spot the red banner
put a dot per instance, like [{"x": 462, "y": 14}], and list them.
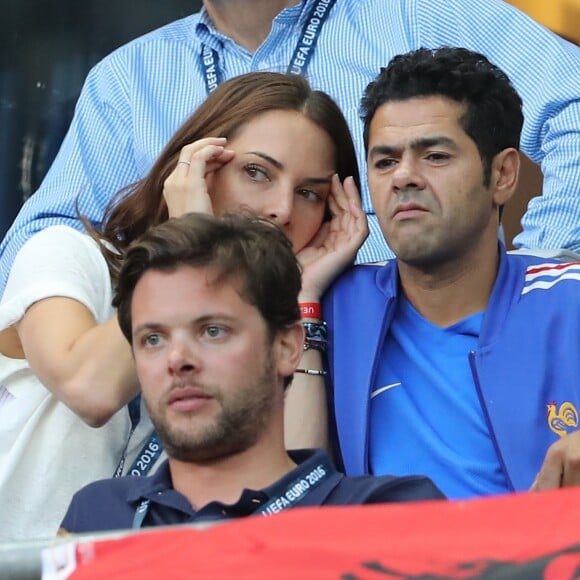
[{"x": 524, "y": 536}]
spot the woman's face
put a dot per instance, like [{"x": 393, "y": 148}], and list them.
[{"x": 282, "y": 169}]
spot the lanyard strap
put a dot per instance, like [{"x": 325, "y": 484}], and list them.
[
  {"x": 140, "y": 514},
  {"x": 309, "y": 37},
  {"x": 134, "y": 410},
  {"x": 284, "y": 497},
  {"x": 145, "y": 460},
  {"x": 211, "y": 72},
  {"x": 300, "y": 58},
  {"x": 151, "y": 450},
  {"x": 289, "y": 495},
  {"x": 149, "y": 454}
]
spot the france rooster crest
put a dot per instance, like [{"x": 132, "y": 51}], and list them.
[{"x": 563, "y": 419}]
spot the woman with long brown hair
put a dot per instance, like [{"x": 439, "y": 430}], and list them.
[{"x": 264, "y": 142}]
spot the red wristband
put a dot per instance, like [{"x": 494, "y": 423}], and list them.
[{"x": 311, "y": 310}]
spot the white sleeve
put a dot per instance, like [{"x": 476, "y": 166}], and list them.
[{"x": 57, "y": 261}]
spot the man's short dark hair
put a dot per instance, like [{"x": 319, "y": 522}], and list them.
[
  {"x": 250, "y": 250},
  {"x": 493, "y": 117}
]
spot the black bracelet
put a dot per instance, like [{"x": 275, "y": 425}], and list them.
[
  {"x": 311, "y": 372},
  {"x": 315, "y": 336}
]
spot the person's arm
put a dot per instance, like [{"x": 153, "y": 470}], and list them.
[
  {"x": 331, "y": 251},
  {"x": 59, "y": 295},
  {"x": 87, "y": 366},
  {"x": 305, "y": 407},
  {"x": 545, "y": 70}
]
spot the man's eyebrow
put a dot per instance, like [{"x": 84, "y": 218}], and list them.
[
  {"x": 382, "y": 150},
  {"x": 200, "y": 320},
  {"x": 279, "y": 165},
  {"x": 213, "y": 317},
  {"x": 149, "y": 326},
  {"x": 426, "y": 142},
  {"x": 416, "y": 144}
]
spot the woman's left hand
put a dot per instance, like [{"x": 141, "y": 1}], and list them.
[{"x": 335, "y": 245}]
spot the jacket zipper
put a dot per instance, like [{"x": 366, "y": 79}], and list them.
[
  {"x": 379, "y": 351},
  {"x": 488, "y": 420}
]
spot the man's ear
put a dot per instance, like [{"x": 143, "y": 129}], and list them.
[
  {"x": 505, "y": 169},
  {"x": 290, "y": 347}
]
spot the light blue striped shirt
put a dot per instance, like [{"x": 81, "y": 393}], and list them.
[{"x": 134, "y": 99}]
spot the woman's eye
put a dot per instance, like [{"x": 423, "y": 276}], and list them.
[
  {"x": 256, "y": 172},
  {"x": 310, "y": 195}
]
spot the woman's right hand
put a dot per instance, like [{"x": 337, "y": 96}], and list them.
[{"x": 185, "y": 190}]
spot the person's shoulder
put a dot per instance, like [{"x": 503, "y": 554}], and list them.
[
  {"x": 106, "y": 504},
  {"x": 56, "y": 241},
  {"x": 109, "y": 487},
  {"x": 58, "y": 232},
  {"x": 559, "y": 255},
  {"x": 363, "y": 272},
  {"x": 368, "y": 280},
  {"x": 551, "y": 271},
  {"x": 368, "y": 489}
]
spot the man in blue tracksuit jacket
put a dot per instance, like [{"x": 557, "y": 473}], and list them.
[
  {"x": 457, "y": 360},
  {"x": 528, "y": 356}
]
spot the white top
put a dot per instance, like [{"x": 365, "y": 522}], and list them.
[{"x": 46, "y": 451}]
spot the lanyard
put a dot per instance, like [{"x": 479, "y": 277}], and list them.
[
  {"x": 149, "y": 454},
  {"x": 284, "y": 497},
  {"x": 145, "y": 460},
  {"x": 300, "y": 58},
  {"x": 151, "y": 450}
]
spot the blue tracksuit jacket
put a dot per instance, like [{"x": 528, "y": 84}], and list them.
[{"x": 528, "y": 357}]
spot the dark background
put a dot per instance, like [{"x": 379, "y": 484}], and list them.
[{"x": 46, "y": 49}]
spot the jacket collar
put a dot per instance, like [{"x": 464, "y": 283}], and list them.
[{"x": 506, "y": 290}]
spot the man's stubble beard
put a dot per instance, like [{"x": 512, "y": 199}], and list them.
[{"x": 242, "y": 418}]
